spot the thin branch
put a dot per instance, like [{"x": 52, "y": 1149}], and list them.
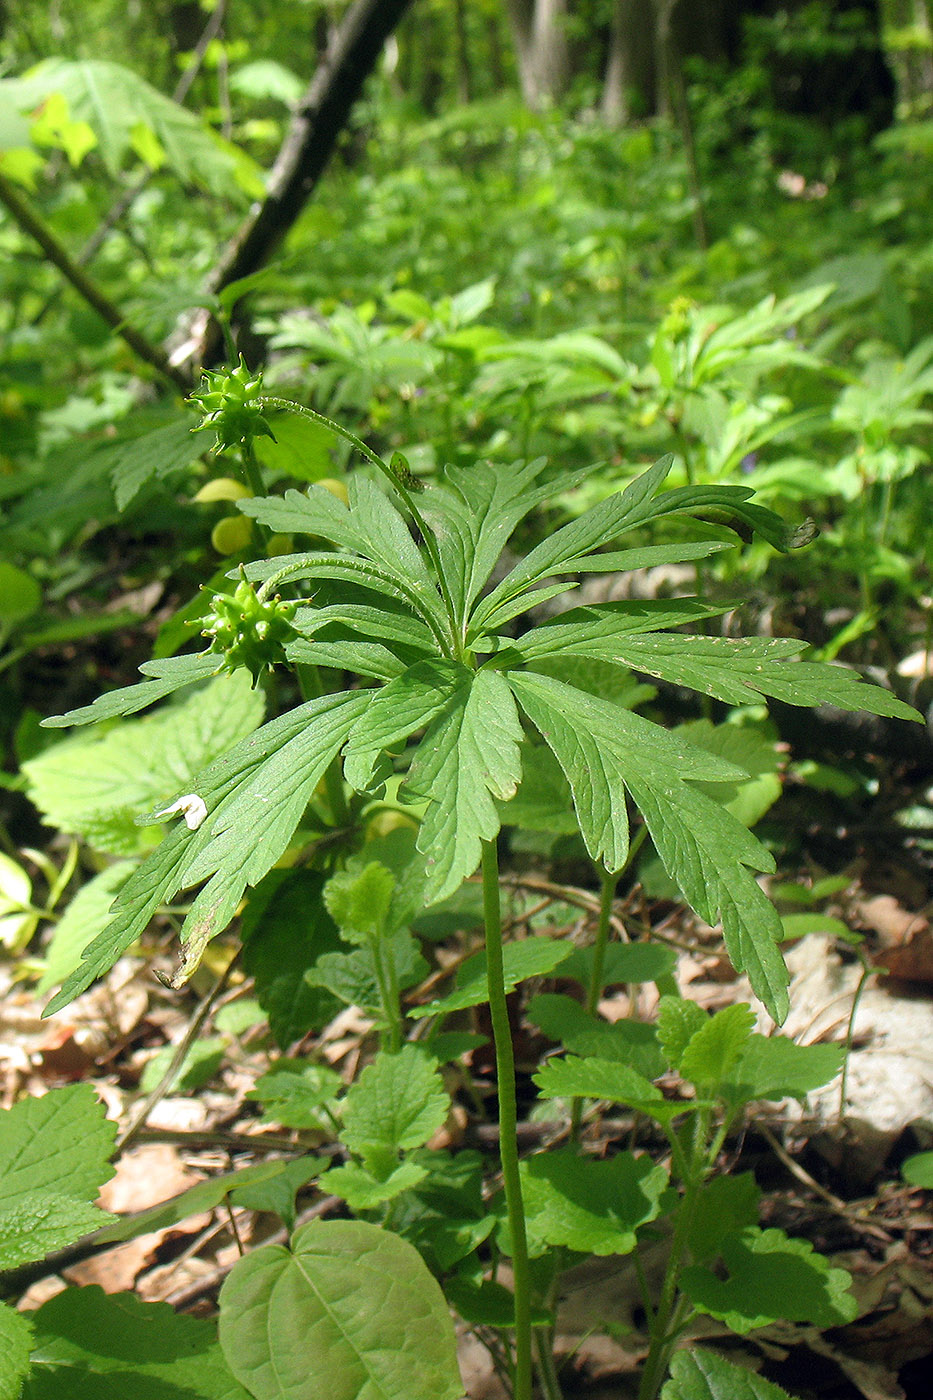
[
  {"x": 32, "y": 223},
  {"x": 319, "y": 119}
]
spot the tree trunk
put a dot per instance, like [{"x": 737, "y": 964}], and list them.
[
  {"x": 539, "y": 32},
  {"x": 907, "y": 40},
  {"x": 628, "y": 82},
  {"x": 312, "y": 135}
]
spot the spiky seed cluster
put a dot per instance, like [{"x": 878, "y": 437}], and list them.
[
  {"x": 248, "y": 630},
  {"x": 231, "y": 401}
]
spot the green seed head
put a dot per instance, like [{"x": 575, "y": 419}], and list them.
[
  {"x": 248, "y": 630},
  {"x": 231, "y": 402}
]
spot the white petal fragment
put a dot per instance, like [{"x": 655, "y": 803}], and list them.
[{"x": 193, "y": 808}]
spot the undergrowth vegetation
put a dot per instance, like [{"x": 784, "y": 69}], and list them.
[{"x": 525, "y": 497}]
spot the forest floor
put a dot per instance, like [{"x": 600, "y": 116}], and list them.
[{"x": 830, "y": 1176}]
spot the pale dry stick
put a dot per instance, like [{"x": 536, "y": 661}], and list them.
[
  {"x": 181, "y": 1050},
  {"x": 835, "y": 1203},
  {"x": 568, "y": 894}
]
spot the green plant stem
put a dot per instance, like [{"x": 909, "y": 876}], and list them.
[
  {"x": 368, "y": 570},
  {"x": 253, "y": 473},
  {"x": 31, "y": 222},
  {"x": 668, "y": 1320},
  {"x": 609, "y": 881},
  {"x": 508, "y": 1121},
  {"x": 850, "y": 1029},
  {"x": 547, "y": 1371}
]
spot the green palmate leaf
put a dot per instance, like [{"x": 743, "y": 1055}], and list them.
[
  {"x": 398, "y": 709},
  {"x": 90, "y": 1343},
  {"x": 598, "y": 527},
  {"x": 702, "y": 1375},
  {"x": 15, "y": 1346},
  {"x": 158, "y": 453},
  {"x": 285, "y": 928},
  {"x": 82, "y": 921},
  {"x": 742, "y": 671},
  {"x": 712, "y": 1050},
  {"x": 297, "y": 1093},
  {"x": 363, "y": 1191},
  {"x": 635, "y": 506},
  {"x": 678, "y": 1021},
  {"x": 469, "y": 756},
  {"x": 770, "y": 1276},
  {"x": 54, "y": 1155},
  {"x": 589, "y": 1206},
  {"x": 96, "y": 784},
  {"x": 116, "y": 102},
  {"x": 773, "y": 1067},
  {"x": 171, "y": 674},
  {"x": 360, "y": 1297},
  {"x": 632, "y": 1043},
  {"x": 728, "y": 1204},
  {"x": 601, "y": 748},
  {"x": 254, "y": 796},
  {"x": 398, "y": 1102},
  {"x": 595, "y": 629},
  {"x": 207, "y": 1195},
  {"x": 476, "y": 510},
  {"x": 532, "y": 957}
]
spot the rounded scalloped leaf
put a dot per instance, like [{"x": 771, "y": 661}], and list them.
[
  {"x": 770, "y": 1276},
  {"x": 349, "y": 1313}
]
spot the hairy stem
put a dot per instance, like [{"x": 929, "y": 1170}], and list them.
[{"x": 508, "y": 1121}]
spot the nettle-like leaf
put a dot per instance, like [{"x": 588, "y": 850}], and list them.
[
  {"x": 397, "y": 1102},
  {"x": 15, "y": 1346},
  {"x": 699, "y": 1374},
  {"x": 96, "y": 784},
  {"x": 54, "y": 1158},
  {"x": 589, "y": 1206},
  {"x": 596, "y": 1078}
]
